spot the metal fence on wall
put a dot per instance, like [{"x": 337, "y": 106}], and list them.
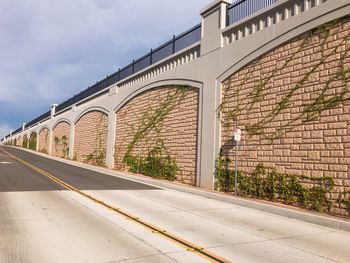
[
  {"x": 177, "y": 43},
  {"x": 243, "y": 8},
  {"x": 236, "y": 12},
  {"x": 40, "y": 118}
]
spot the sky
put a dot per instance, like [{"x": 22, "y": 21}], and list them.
[{"x": 51, "y": 50}]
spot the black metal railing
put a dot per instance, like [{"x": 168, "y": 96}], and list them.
[
  {"x": 177, "y": 43},
  {"x": 40, "y": 118},
  {"x": 243, "y": 8},
  {"x": 17, "y": 131},
  {"x": 236, "y": 12}
]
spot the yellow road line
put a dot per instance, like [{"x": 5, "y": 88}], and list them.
[{"x": 198, "y": 250}]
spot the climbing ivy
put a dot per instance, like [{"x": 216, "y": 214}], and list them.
[
  {"x": 153, "y": 158},
  {"x": 344, "y": 199},
  {"x": 158, "y": 163},
  {"x": 32, "y": 141},
  {"x": 310, "y": 111},
  {"x": 25, "y": 142},
  {"x": 44, "y": 150},
  {"x": 64, "y": 142},
  {"x": 98, "y": 156},
  {"x": 267, "y": 183}
]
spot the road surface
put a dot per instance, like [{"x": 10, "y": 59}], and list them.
[{"x": 55, "y": 212}]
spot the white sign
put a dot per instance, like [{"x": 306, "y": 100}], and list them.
[{"x": 237, "y": 134}]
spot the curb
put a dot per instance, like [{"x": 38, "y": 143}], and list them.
[{"x": 277, "y": 209}]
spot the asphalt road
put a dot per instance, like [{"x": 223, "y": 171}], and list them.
[{"x": 42, "y": 221}]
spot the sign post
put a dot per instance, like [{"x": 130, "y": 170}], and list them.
[{"x": 237, "y": 138}]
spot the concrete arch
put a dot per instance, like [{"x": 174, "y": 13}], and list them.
[
  {"x": 33, "y": 140},
  {"x": 159, "y": 84},
  {"x": 95, "y": 108},
  {"x": 19, "y": 141},
  {"x": 89, "y": 139},
  {"x": 269, "y": 61},
  {"x": 24, "y": 141},
  {"x": 59, "y": 121},
  {"x": 44, "y": 141},
  {"x": 269, "y": 44},
  {"x": 33, "y": 131},
  {"x": 43, "y": 127},
  {"x": 60, "y": 138},
  {"x": 180, "y": 128}
]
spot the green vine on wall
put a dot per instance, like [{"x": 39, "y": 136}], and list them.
[
  {"x": 98, "y": 156},
  {"x": 44, "y": 150},
  {"x": 311, "y": 111},
  {"x": 267, "y": 183},
  {"x": 32, "y": 141},
  {"x": 25, "y": 142},
  {"x": 157, "y": 161},
  {"x": 64, "y": 142},
  {"x": 344, "y": 199}
]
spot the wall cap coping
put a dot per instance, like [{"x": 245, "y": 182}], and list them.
[{"x": 164, "y": 60}]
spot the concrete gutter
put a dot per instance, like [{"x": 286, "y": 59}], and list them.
[{"x": 265, "y": 206}]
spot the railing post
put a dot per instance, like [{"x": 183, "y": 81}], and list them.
[
  {"x": 53, "y": 110},
  {"x": 173, "y": 44}
]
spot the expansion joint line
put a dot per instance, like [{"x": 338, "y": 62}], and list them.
[{"x": 198, "y": 250}]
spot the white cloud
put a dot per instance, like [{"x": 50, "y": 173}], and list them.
[{"x": 51, "y": 50}]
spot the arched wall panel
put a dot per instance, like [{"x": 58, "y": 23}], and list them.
[
  {"x": 44, "y": 140},
  {"x": 60, "y": 139},
  {"x": 91, "y": 137},
  {"x": 19, "y": 141},
  {"x": 293, "y": 106},
  {"x": 165, "y": 116}
]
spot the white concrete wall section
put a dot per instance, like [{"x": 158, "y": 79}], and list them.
[{"x": 205, "y": 65}]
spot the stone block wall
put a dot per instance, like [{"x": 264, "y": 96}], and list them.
[
  {"x": 44, "y": 140},
  {"x": 91, "y": 137},
  {"x": 178, "y": 131},
  {"x": 24, "y": 142},
  {"x": 19, "y": 141},
  {"x": 60, "y": 139},
  {"x": 293, "y": 106}
]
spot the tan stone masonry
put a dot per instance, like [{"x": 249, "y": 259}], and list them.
[
  {"x": 19, "y": 141},
  {"x": 59, "y": 133},
  {"x": 295, "y": 142},
  {"x": 91, "y": 136},
  {"x": 43, "y": 140},
  {"x": 178, "y": 130}
]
